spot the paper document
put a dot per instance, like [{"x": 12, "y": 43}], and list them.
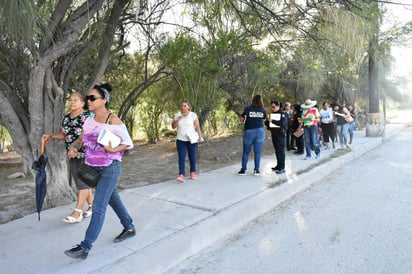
[
  {"x": 105, "y": 136},
  {"x": 276, "y": 117}
]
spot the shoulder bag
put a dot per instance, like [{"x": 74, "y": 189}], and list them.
[
  {"x": 299, "y": 132},
  {"x": 88, "y": 174}
]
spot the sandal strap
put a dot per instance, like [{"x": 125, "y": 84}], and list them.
[
  {"x": 70, "y": 218},
  {"x": 78, "y": 210}
]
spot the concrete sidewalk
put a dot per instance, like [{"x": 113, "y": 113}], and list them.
[{"x": 173, "y": 220}]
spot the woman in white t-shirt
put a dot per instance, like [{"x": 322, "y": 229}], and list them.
[
  {"x": 188, "y": 137},
  {"x": 326, "y": 119}
]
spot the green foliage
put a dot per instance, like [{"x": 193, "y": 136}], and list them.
[
  {"x": 155, "y": 109},
  {"x": 150, "y": 120},
  {"x": 328, "y": 64},
  {"x": 18, "y": 19},
  {"x": 221, "y": 121},
  {"x": 150, "y": 112},
  {"x": 124, "y": 73},
  {"x": 4, "y": 138},
  {"x": 195, "y": 71}
]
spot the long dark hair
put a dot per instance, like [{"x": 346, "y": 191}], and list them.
[{"x": 257, "y": 101}]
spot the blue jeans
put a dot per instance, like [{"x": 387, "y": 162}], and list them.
[
  {"x": 106, "y": 193},
  {"x": 253, "y": 137},
  {"x": 343, "y": 133},
  {"x": 184, "y": 148},
  {"x": 351, "y": 129},
  {"x": 311, "y": 140}
]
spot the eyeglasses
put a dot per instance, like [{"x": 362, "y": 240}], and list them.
[{"x": 93, "y": 98}]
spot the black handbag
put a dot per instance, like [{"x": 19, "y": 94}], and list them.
[{"x": 87, "y": 174}]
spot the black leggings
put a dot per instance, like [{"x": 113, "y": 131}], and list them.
[{"x": 328, "y": 132}]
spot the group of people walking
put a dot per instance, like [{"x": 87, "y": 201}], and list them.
[
  {"x": 80, "y": 130},
  {"x": 303, "y": 128},
  {"x": 292, "y": 127},
  {"x": 89, "y": 116}
]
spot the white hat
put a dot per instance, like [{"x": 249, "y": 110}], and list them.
[{"x": 308, "y": 104}]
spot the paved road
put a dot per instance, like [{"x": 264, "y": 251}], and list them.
[{"x": 355, "y": 221}]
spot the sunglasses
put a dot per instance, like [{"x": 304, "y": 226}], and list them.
[{"x": 93, "y": 98}]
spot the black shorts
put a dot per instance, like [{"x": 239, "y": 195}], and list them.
[{"x": 73, "y": 172}]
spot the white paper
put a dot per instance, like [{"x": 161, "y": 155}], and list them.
[
  {"x": 276, "y": 117},
  {"x": 105, "y": 136}
]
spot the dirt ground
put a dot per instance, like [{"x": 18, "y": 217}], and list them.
[{"x": 143, "y": 165}]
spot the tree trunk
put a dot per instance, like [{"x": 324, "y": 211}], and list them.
[
  {"x": 27, "y": 118},
  {"x": 59, "y": 192},
  {"x": 373, "y": 80},
  {"x": 374, "y": 121},
  {"x": 46, "y": 108}
]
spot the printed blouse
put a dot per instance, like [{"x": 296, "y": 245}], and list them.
[
  {"x": 326, "y": 115},
  {"x": 72, "y": 129}
]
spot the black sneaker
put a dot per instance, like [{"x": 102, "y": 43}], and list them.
[
  {"x": 242, "y": 172},
  {"x": 256, "y": 172},
  {"x": 280, "y": 171},
  {"x": 77, "y": 252},
  {"x": 275, "y": 168},
  {"x": 126, "y": 234}
]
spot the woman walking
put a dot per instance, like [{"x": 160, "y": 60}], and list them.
[
  {"x": 188, "y": 137},
  {"x": 71, "y": 129},
  {"x": 106, "y": 160}
]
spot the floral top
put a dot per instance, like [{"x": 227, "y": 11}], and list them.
[{"x": 72, "y": 128}]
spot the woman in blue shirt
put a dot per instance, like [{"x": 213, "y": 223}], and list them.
[{"x": 253, "y": 117}]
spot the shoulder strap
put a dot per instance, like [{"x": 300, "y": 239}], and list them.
[{"x": 108, "y": 116}]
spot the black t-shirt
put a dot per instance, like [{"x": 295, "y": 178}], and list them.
[{"x": 254, "y": 117}]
